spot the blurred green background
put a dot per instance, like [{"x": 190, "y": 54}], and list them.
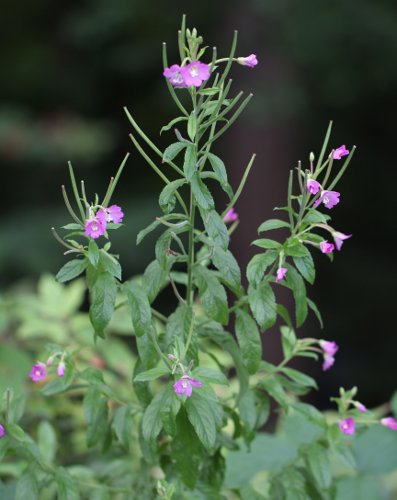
[{"x": 68, "y": 68}]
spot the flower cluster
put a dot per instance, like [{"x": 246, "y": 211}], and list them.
[
  {"x": 191, "y": 75},
  {"x": 38, "y": 371},
  {"x": 329, "y": 349},
  {"x": 95, "y": 225}
]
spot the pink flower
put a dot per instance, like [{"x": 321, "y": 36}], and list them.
[
  {"x": 2, "y": 431},
  {"x": 313, "y": 186},
  {"x": 326, "y": 247},
  {"x": 360, "y": 406},
  {"x": 184, "y": 385},
  {"x": 281, "y": 272},
  {"x": 195, "y": 73},
  {"x": 339, "y": 238},
  {"x": 96, "y": 226},
  {"x": 347, "y": 426},
  {"x": 113, "y": 213},
  {"x": 341, "y": 151},
  {"x": 389, "y": 422},
  {"x": 61, "y": 369},
  {"x": 174, "y": 75},
  {"x": 230, "y": 216},
  {"x": 38, "y": 372},
  {"x": 251, "y": 61},
  {"x": 329, "y": 198},
  {"x": 329, "y": 351}
]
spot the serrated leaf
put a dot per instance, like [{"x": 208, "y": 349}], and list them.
[
  {"x": 258, "y": 265},
  {"x": 110, "y": 264},
  {"x": 293, "y": 248},
  {"x": 318, "y": 463},
  {"x": 249, "y": 340},
  {"x": 201, "y": 417},
  {"x": 102, "y": 297},
  {"x": 189, "y": 164},
  {"x": 123, "y": 422},
  {"x": 152, "y": 420},
  {"x": 299, "y": 377},
  {"x": 228, "y": 268},
  {"x": 305, "y": 266},
  {"x": 171, "y": 152},
  {"x": 71, "y": 270},
  {"x": 210, "y": 375},
  {"x": 212, "y": 294},
  {"x": 216, "y": 228},
  {"x": 272, "y": 224},
  {"x": 316, "y": 217},
  {"x": 288, "y": 340},
  {"x": 167, "y": 197},
  {"x": 178, "y": 327},
  {"x": 192, "y": 125},
  {"x": 96, "y": 412},
  {"x": 172, "y": 123},
  {"x": 275, "y": 390},
  {"x": 93, "y": 253},
  {"x": 218, "y": 167},
  {"x": 263, "y": 305},
  {"x": 297, "y": 285},
  {"x": 141, "y": 314},
  {"x": 201, "y": 193},
  {"x": 247, "y": 410}
]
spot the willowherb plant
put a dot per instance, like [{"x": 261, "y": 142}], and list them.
[{"x": 201, "y": 387}]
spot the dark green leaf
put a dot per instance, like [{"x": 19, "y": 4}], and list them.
[
  {"x": 123, "y": 423},
  {"x": 247, "y": 410},
  {"x": 299, "y": 377},
  {"x": 152, "y": 420},
  {"x": 201, "y": 416},
  {"x": 93, "y": 253},
  {"x": 275, "y": 390},
  {"x": 173, "y": 150},
  {"x": 172, "y": 123},
  {"x": 140, "y": 310},
  {"x": 189, "y": 164},
  {"x": 305, "y": 266},
  {"x": 73, "y": 227},
  {"x": 266, "y": 243},
  {"x": 146, "y": 350},
  {"x": 288, "y": 340},
  {"x": 315, "y": 217},
  {"x": 201, "y": 193},
  {"x": 249, "y": 340},
  {"x": 71, "y": 270},
  {"x": 314, "y": 308},
  {"x": 192, "y": 125},
  {"x": 103, "y": 297},
  {"x": 210, "y": 375},
  {"x": 167, "y": 197},
  {"x": 212, "y": 294},
  {"x": 110, "y": 264},
  {"x": 153, "y": 374},
  {"x": 263, "y": 305},
  {"x": 178, "y": 327},
  {"x": 218, "y": 167},
  {"x": 228, "y": 268},
  {"x": 96, "y": 414},
  {"x": 297, "y": 285},
  {"x": 154, "y": 279},
  {"x": 216, "y": 228},
  {"x": 272, "y": 224},
  {"x": 258, "y": 265}
]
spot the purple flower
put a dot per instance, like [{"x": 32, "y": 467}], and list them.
[
  {"x": 38, "y": 372},
  {"x": 341, "y": 151},
  {"x": 313, "y": 186},
  {"x": 230, "y": 216},
  {"x": 174, "y": 75},
  {"x": 281, "y": 272},
  {"x": 2, "y": 431},
  {"x": 251, "y": 61},
  {"x": 184, "y": 385},
  {"x": 329, "y": 351},
  {"x": 61, "y": 369},
  {"x": 326, "y": 247},
  {"x": 96, "y": 226},
  {"x": 339, "y": 238},
  {"x": 347, "y": 426},
  {"x": 360, "y": 406},
  {"x": 389, "y": 422},
  {"x": 195, "y": 73},
  {"x": 329, "y": 198},
  {"x": 113, "y": 213}
]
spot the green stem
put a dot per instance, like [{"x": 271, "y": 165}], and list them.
[
  {"x": 342, "y": 170},
  {"x": 113, "y": 183},
  {"x": 189, "y": 338},
  {"x": 75, "y": 191},
  {"x": 241, "y": 186},
  {"x": 291, "y": 218},
  {"x": 69, "y": 206},
  {"x": 60, "y": 240},
  {"x": 325, "y": 144},
  {"x": 170, "y": 87}
]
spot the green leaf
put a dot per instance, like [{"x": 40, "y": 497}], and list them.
[
  {"x": 218, "y": 167},
  {"x": 147, "y": 230},
  {"x": 47, "y": 441},
  {"x": 249, "y": 340},
  {"x": 67, "y": 486},
  {"x": 228, "y": 268},
  {"x": 288, "y": 340},
  {"x": 162, "y": 251},
  {"x": 167, "y": 197},
  {"x": 318, "y": 463},
  {"x": 27, "y": 487},
  {"x": 375, "y": 450},
  {"x": 201, "y": 416},
  {"x": 258, "y": 265},
  {"x": 172, "y": 123},
  {"x": 178, "y": 326},
  {"x": 210, "y": 375},
  {"x": 315, "y": 217},
  {"x": 16, "y": 432},
  {"x": 140, "y": 310},
  {"x": 201, "y": 193},
  {"x": 71, "y": 270},
  {"x": 192, "y": 125},
  {"x": 110, "y": 264},
  {"x": 275, "y": 390},
  {"x": 172, "y": 150},
  {"x": 305, "y": 266},
  {"x": 152, "y": 422},
  {"x": 299, "y": 377},
  {"x": 189, "y": 164},
  {"x": 266, "y": 243},
  {"x": 314, "y": 308},
  {"x": 153, "y": 374},
  {"x": 226, "y": 186},
  {"x": 123, "y": 422},
  {"x": 272, "y": 224},
  {"x": 154, "y": 279},
  {"x": 93, "y": 253},
  {"x": 212, "y": 294},
  {"x": 73, "y": 227},
  {"x": 147, "y": 352},
  {"x": 96, "y": 413},
  {"x": 247, "y": 410},
  {"x": 263, "y": 305},
  {"x": 297, "y": 285},
  {"x": 216, "y": 228},
  {"x": 103, "y": 297},
  {"x": 360, "y": 487}
]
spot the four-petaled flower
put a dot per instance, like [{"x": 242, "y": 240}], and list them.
[
  {"x": 326, "y": 247},
  {"x": 339, "y": 152},
  {"x": 96, "y": 226},
  {"x": 184, "y": 385},
  {"x": 61, "y": 369},
  {"x": 329, "y": 351},
  {"x": 281, "y": 272},
  {"x": 2, "y": 431},
  {"x": 174, "y": 75},
  {"x": 195, "y": 73},
  {"x": 329, "y": 198},
  {"x": 313, "y": 186},
  {"x": 389, "y": 422},
  {"x": 38, "y": 372},
  {"x": 113, "y": 213},
  {"x": 339, "y": 238},
  {"x": 251, "y": 61},
  {"x": 230, "y": 216},
  {"x": 347, "y": 426}
]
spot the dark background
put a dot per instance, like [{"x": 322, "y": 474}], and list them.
[{"x": 68, "y": 68}]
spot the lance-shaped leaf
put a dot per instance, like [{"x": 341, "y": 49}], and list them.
[
  {"x": 305, "y": 266},
  {"x": 272, "y": 224},
  {"x": 216, "y": 228},
  {"x": 154, "y": 278},
  {"x": 167, "y": 197},
  {"x": 201, "y": 193},
  {"x": 258, "y": 265},
  {"x": 263, "y": 305},
  {"x": 178, "y": 325},
  {"x": 228, "y": 268},
  {"x": 172, "y": 150},
  {"x": 71, "y": 270},
  {"x": 297, "y": 285},
  {"x": 189, "y": 164},
  {"x": 218, "y": 167},
  {"x": 249, "y": 340},
  {"x": 103, "y": 297},
  {"x": 140, "y": 311},
  {"x": 212, "y": 294}
]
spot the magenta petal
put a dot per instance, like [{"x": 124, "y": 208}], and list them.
[
  {"x": 2, "y": 431},
  {"x": 38, "y": 372},
  {"x": 339, "y": 152},
  {"x": 313, "y": 187},
  {"x": 347, "y": 426},
  {"x": 389, "y": 422},
  {"x": 281, "y": 272},
  {"x": 195, "y": 382},
  {"x": 230, "y": 216}
]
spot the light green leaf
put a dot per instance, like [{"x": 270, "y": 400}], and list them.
[
  {"x": 228, "y": 268},
  {"x": 71, "y": 270},
  {"x": 93, "y": 253},
  {"x": 153, "y": 374},
  {"x": 272, "y": 224},
  {"x": 314, "y": 308},
  {"x": 247, "y": 410},
  {"x": 110, "y": 264},
  {"x": 375, "y": 450},
  {"x": 123, "y": 422},
  {"x": 47, "y": 441},
  {"x": 200, "y": 415},
  {"x": 263, "y": 305},
  {"x": 216, "y": 228},
  {"x": 318, "y": 463},
  {"x": 267, "y": 243},
  {"x": 172, "y": 123},
  {"x": 299, "y": 377},
  {"x": 288, "y": 340},
  {"x": 249, "y": 340},
  {"x": 154, "y": 279},
  {"x": 96, "y": 413},
  {"x": 27, "y": 487},
  {"x": 210, "y": 375},
  {"x": 152, "y": 422},
  {"x": 67, "y": 486},
  {"x": 305, "y": 266}
]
